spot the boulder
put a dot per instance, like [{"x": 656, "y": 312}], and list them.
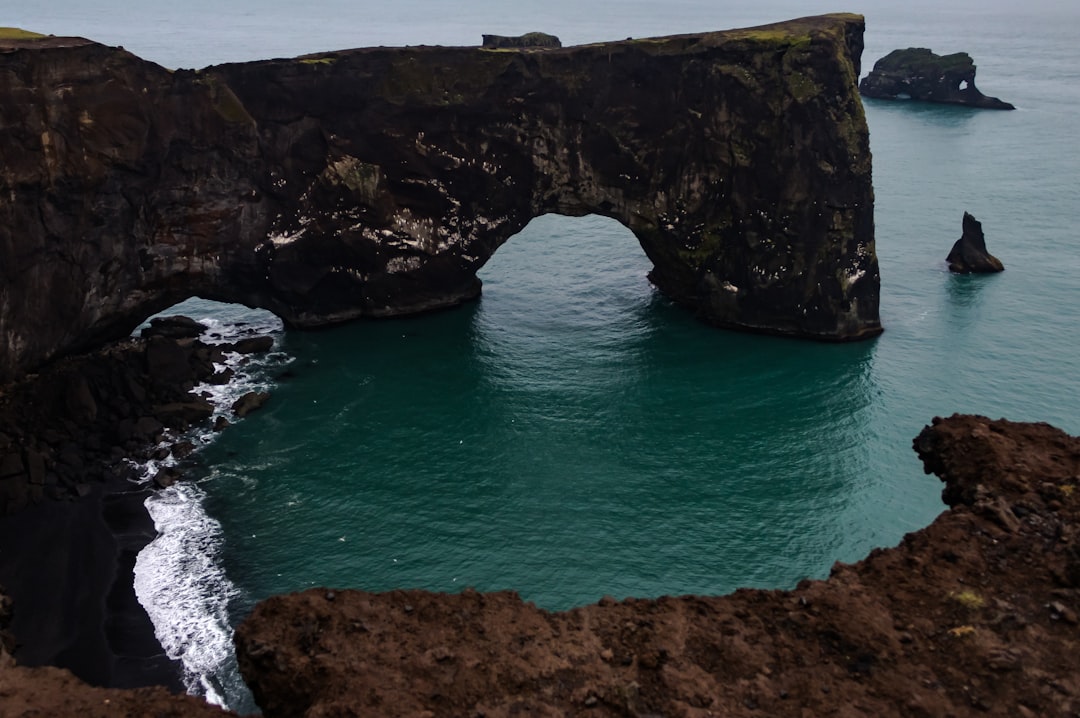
[
  {"x": 918, "y": 74},
  {"x": 969, "y": 255},
  {"x": 181, "y": 414},
  {"x": 253, "y": 345},
  {"x": 174, "y": 327},
  {"x": 249, "y": 402}
]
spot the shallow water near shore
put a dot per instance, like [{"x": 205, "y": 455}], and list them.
[{"x": 572, "y": 434}]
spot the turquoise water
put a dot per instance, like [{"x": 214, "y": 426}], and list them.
[{"x": 573, "y": 435}]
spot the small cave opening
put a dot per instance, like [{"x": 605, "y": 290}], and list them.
[{"x": 963, "y": 85}]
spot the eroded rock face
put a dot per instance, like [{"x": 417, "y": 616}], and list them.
[
  {"x": 918, "y": 74},
  {"x": 969, "y": 254},
  {"x": 377, "y": 182},
  {"x": 974, "y": 615}
]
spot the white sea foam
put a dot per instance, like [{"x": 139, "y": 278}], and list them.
[
  {"x": 179, "y": 576},
  {"x": 180, "y": 582}
]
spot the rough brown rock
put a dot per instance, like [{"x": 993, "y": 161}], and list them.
[
  {"x": 974, "y": 615},
  {"x": 53, "y": 692}
]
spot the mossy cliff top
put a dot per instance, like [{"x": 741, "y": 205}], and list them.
[{"x": 15, "y": 33}]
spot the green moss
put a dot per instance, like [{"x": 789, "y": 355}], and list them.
[
  {"x": 772, "y": 36},
  {"x": 225, "y": 101},
  {"x": 968, "y": 599},
  {"x": 15, "y": 33},
  {"x": 328, "y": 60},
  {"x": 362, "y": 178},
  {"x": 418, "y": 79}
]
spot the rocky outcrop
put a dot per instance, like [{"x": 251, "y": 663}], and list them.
[
  {"x": 376, "y": 182},
  {"x": 974, "y": 615},
  {"x": 969, "y": 254},
  {"x": 918, "y": 74},
  {"x": 529, "y": 39}
]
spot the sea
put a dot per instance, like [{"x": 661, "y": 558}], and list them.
[{"x": 572, "y": 434}]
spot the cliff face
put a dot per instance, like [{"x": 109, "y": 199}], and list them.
[{"x": 377, "y": 182}]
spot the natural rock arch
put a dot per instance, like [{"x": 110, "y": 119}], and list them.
[{"x": 376, "y": 182}]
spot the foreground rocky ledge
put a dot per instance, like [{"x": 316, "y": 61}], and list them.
[
  {"x": 974, "y": 615},
  {"x": 376, "y": 182}
]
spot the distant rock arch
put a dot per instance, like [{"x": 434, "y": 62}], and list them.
[{"x": 376, "y": 182}]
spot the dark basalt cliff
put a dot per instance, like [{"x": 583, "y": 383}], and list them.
[
  {"x": 918, "y": 74},
  {"x": 376, "y": 182}
]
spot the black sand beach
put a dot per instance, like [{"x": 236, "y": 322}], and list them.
[{"x": 68, "y": 567}]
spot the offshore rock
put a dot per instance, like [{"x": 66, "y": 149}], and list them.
[
  {"x": 969, "y": 254},
  {"x": 529, "y": 39},
  {"x": 918, "y": 74},
  {"x": 376, "y": 182}
]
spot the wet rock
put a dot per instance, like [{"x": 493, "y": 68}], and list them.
[
  {"x": 182, "y": 449},
  {"x": 80, "y": 402},
  {"x": 969, "y": 254},
  {"x": 249, "y": 402},
  {"x": 174, "y": 327},
  {"x": 167, "y": 361},
  {"x": 182, "y": 414},
  {"x": 253, "y": 345},
  {"x": 147, "y": 428},
  {"x": 167, "y": 476},
  {"x": 222, "y": 377},
  {"x": 11, "y": 465}
]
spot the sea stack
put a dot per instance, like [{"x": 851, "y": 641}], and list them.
[
  {"x": 969, "y": 255},
  {"x": 918, "y": 74}
]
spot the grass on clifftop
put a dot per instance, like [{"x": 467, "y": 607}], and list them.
[{"x": 15, "y": 33}]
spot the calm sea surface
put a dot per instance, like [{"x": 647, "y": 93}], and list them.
[{"x": 572, "y": 434}]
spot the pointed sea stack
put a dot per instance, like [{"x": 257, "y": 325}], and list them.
[
  {"x": 969, "y": 255},
  {"x": 918, "y": 74}
]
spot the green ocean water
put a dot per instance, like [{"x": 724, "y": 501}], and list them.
[{"x": 572, "y": 434}]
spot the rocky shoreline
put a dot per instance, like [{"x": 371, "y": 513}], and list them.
[
  {"x": 74, "y": 440},
  {"x": 977, "y": 614}
]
